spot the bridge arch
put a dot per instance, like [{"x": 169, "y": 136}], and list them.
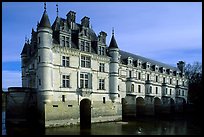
[
  {"x": 172, "y": 105},
  {"x": 85, "y": 113},
  {"x": 157, "y": 105},
  {"x": 140, "y": 106}
]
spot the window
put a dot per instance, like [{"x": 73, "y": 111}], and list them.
[
  {"x": 85, "y": 61},
  {"x": 39, "y": 82},
  {"x": 87, "y": 47},
  {"x": 102, "y": 67},
  {"x": 63, "y": 98},
  {"x": 170, "y": 91},
  {"x": 166, "y": 90},
  {"x": 101, "y": 50},
  {"x": 82, "y": 46},
  {"x": 183, "y": 83},
  {"x": 156, "y": 90},
  {"x": 182, "y": 92},
  {"x": 65, "y": 81},
  {"x": 139, "y": 75},
  {"x": 156, "y": 78},
  {"x": 132, "y": 88},
  {"x": 179, "y": 92},
  {"x": 63, "y": 41},
  {"x": 139, "y": 88},
  {"x": 39, "y": 59},
  {"x": 67, "y": 41},
  {"x": 170, "y": 81},
  {"x": 65, "y": 61},
  {"x": 130, "y": 73},
  {"x": 164, "y": 80},
  {"x": 101, "y": 84},
  {"x": 177, "y": 83},
  {"x": 84, "y": 81},
  {"x": 150, "y": 89},
  {"x": 147, "y": 76}
]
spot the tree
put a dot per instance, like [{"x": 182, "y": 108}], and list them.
[{"x": 194, "y": 75}]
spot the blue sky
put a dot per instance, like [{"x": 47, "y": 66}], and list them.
[{"x": 163, "y": 31}]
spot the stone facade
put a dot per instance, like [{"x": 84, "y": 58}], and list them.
[{"x": 67, "y": 63}]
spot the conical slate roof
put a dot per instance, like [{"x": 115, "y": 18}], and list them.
[
  {"x": 113, "y": 43},
  {"x": 24, "y": 51},
  {"x": 45, "y": 22}
]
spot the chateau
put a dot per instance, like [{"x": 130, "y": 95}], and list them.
[{"x": 78, "y": 76}]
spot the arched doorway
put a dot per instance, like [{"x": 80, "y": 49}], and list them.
[
  {"x": 172, "y": 106},
  {"x": 140, "y": 106},
  {"x": 157, "y": 106},
  {"x": 85, "y": 113}
]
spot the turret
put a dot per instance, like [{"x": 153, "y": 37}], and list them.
[
  {"x": 113, "y": 68},
  {"x": 24, "y": 58},
  {"x": 44, "y": 72}
]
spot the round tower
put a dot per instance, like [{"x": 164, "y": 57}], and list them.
[
  {"x": 113, "y": 51},
  {"x": 45, "y": 57},
  {"x": 23, "y": 64}
]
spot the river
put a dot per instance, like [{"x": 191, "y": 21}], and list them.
[{"x": 142, "y": 126}]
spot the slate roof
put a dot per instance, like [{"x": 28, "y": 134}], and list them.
[
  {"x": 45, "y": 22},
  {"x": 125, "y": 55},
  {"x": 113, "y": 43}
]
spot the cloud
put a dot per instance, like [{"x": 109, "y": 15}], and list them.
[{"x": 11, "y": 79}]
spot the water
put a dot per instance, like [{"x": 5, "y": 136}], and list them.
[{"x": 142, "y": 126}]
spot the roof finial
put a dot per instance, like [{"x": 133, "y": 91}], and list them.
[
  {"x": 113, "y": 31},
  {"x": 44, "y": 6},
  {"x": 57, "y": 9},
  {"x": 25, "y": 38}
]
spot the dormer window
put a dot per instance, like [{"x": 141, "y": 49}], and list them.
[
  {"x": 85, "y": 46},
  {"x": 147, "y": 65},
  {"x": 156, "y": 68},
  {"x": 139, "y": 62},
  {"x": 130, "y": 60},
  {"x": 163, "y": 70}
]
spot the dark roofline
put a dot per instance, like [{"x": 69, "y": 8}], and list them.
[{"x": 125, "y": 55}]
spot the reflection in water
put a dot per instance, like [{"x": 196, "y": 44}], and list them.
[{"x": 142, "y": 126}]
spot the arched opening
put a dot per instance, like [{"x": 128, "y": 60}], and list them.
[
  {"x": 157, "y": 106},
  {"x": 85, "y": 113},
  {"x": 140, "y": 106},
  {"x": 172, "y": 106}
]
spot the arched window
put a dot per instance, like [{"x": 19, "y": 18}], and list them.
[{"x": 132, "y": 88}]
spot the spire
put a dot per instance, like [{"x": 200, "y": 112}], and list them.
[
  {"x": 57, "y": 9},
  {"x": 113, "y": 43},
  {"x": 45, "y": 22},
  {"x": 44, "y": 6}
]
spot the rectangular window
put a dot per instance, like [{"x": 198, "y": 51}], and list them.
[
  {"x": 177, "y": 83},
  {"x": 63, "y": 41},
  {"x": 150, "y": 89},
  {"x": 63, "y": 98},
  {"x": 156, "y": 78},
  {"x": 164, "y": 80},
  {"x": 85, "y": 61},
  {"x": 170, "y": 81},
  {"x": 183, "y": 83},
  {"x": 166, "y": 90},
  {"x": 147, "y": 76},
  {"x": 139, "y": 88},
  {"x": 156, "y": 90},
  {"x": 84, "y": 81},
  {"x": 82, "y": 46},
  {"x": 39, "y": 82},
  {"x": 103, "y": 51},
  {"x": 38, "y": 58},
  {"x": 182, "y": 92},
  {"x": 65, "y": 61},
  {"x": 170, "y": 91},
  {"x": 87, "y": 47},
  {"x": 67, "y": 41},
  {"x": 101, "y": 84},
  {"x": 130, "y": 73},
  {"x": 65, "y": 81},
  {"x": 139, "y": 75},
  {"x": 101, "y": 67}
]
